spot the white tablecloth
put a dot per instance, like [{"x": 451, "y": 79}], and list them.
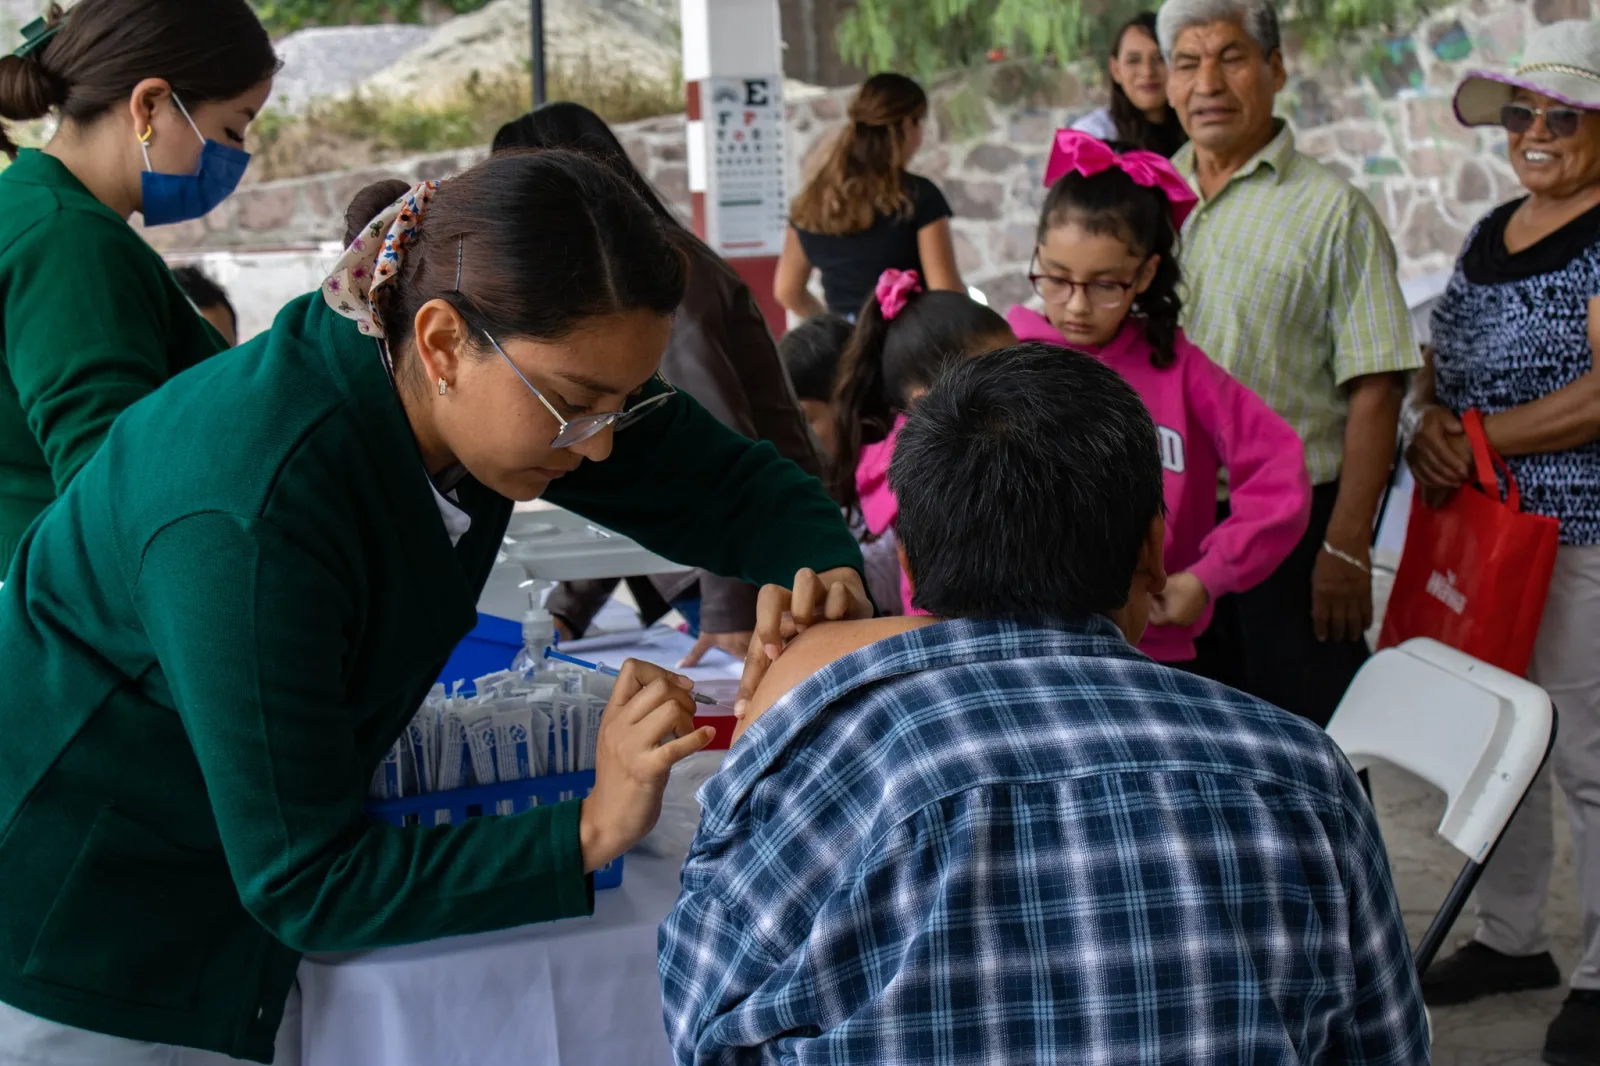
[{"x": 581, "y": 992}]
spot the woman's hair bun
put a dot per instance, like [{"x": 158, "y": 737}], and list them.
[
  {"x": 369, "y": 203},
  {"x": 27, "y": 91}
]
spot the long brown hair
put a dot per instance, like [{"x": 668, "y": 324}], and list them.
[
  {"x": 206, "y": 49},
  {"x": 860, "y": 178}
]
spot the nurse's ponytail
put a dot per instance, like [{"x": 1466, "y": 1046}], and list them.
[
  {"x": 526, "y": 244},
  {"x": 87, "y": 60}
]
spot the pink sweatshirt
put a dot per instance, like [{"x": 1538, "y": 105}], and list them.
[
  {"x": 1206, "y": 420},
  {"x": 879, "y": 509}
]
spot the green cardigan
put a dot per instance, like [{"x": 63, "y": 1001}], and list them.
[
  {"x": 90, "y": 321},
  {"x": 212, "y": 637}
]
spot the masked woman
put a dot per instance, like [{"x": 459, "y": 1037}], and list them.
[{"x": 153, "y": 99}]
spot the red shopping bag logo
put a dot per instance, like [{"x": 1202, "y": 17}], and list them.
[{"x": 1442, "y": 587}]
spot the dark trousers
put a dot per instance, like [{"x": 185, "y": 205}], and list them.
[{"x": 1261, "y": 641}]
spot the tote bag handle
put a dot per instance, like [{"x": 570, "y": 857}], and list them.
[{"x": 1488, "y": 462}]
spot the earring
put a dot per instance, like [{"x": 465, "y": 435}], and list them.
[
  {"x": 149, "y": 131},
  {"x": 444, "y": 386}
]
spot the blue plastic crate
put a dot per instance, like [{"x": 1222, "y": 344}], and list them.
[
  {"x": 492, "y": 645},
  {"x": 457, "y": 805}
]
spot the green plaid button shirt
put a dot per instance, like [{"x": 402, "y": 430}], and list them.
[{"x": 1291, "y": 287}]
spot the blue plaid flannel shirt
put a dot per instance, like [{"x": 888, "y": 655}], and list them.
[{"x": 984, "y": 842}]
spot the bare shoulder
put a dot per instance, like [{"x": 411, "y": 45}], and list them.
[{"x": 817, "y": 648}]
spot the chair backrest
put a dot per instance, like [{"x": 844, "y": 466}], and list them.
[{"x": 1473, "y": 731}]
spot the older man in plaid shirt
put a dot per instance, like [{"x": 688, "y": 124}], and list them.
[{"x": 1002, "y": 835}]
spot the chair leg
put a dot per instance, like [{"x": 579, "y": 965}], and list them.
[{"x": 1439, "y": 928}]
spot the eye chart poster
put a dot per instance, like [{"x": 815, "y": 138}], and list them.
[{"x": 749, "y": 208}]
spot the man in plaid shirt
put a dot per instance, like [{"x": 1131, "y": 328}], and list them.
[{"x": 1002, "y": 835}]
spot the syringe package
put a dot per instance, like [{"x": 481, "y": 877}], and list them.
[{"x": 514, "y": 727}]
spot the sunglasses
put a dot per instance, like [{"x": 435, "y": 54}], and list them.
[
  {"x": 572, "y": 431},
  {"x": 1560, "y": 121}
]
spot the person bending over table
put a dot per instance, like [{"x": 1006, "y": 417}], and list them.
[
  {"x": 1002, "y": 834},
  {"x": 211, "y": 639}
]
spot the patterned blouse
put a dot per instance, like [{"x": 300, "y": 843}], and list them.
[{"x": 1512, "y": 328}]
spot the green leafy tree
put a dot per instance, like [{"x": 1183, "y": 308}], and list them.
[
  {"x": 928, "y": 37},
  {"x": 285, "y": 16}
]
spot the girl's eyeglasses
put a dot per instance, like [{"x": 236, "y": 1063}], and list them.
[
  {"x": 1560, "y": 121},
  {"x": 1104, "y": 293},
  {"x": 577, "y": 430}
]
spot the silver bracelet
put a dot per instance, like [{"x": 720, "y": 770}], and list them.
[{"x": 1346, "y": 557}]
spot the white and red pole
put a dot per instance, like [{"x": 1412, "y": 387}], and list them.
[{"x": 733, "y": 81}]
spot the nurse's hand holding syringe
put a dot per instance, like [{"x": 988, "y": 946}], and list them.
[{"x": 631, "y": 763}]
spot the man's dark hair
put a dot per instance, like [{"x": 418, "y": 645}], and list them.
[
  {"x": 1027, "y": 479},
  {"x": 202, "y": 291}
]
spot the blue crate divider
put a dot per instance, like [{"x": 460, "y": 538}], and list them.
[
  {"x": 492, "y": 645},
  {"x": 457, "y": 805}
]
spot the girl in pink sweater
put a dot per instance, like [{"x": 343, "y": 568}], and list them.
[
  {"x": 1104, "y": 267},
  {"x": 903, "y": 338}
]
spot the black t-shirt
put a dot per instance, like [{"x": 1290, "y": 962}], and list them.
[{"x": 850, "y": 265}]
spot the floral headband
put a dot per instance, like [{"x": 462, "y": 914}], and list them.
[
  {"x": 373, "y": 260},
  {"x": 894, "y": 291},
  {"x": 1075, "y": 152}
]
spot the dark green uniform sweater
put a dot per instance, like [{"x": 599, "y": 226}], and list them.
[
  {"x": 212, "y": 637},
  {"x": 90, "y": 321}
]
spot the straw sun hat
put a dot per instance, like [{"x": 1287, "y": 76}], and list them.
[{"x": 1561, "y": 61}]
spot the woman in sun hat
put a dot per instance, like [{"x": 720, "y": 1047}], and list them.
[{"x": 1513, "y": 337}]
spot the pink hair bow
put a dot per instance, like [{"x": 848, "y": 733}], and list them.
[
  {"x": 1079, "y": 152},
  {"x": 894, "y": 289}
]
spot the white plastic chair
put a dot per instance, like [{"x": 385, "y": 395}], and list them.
[{"x": 1475, "y": 732}]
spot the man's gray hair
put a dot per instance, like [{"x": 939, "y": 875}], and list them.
[{"x": 1258, "y": 17}]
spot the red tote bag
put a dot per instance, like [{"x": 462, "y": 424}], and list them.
[{"x": 1476, "y": 571}]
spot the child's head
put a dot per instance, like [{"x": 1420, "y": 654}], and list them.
[
  {"x": 209, "y": 299},
  {"x": 810, "y": 353},
  {"x": 903, "y": 339},
  {"x": 1106, "y": 245}
]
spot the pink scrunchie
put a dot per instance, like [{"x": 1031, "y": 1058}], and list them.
[
  {"x": 1087, "y": 155},
  {"x": 894, "y": 289}
]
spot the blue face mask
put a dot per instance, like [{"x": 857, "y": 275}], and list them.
[{"x": 170, "y": 198}]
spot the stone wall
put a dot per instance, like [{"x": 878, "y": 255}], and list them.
[{"x": 1381, "y": 117}]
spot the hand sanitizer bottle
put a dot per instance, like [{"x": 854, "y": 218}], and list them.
[{"x": 538, "y": 628}]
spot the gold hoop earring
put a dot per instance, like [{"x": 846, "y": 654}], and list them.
[
  {"x": 444, "y": 386},
  {"x": 149, "y": 131}
]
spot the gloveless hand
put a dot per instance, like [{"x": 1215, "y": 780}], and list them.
[
  {"x": 1181, "y": 603},
  {"x": 1341, "y": 593},
  {"x": 1439, "y": 455},
  {"x": 631, "y": 762},
  {"x": 783, "y": 614},
  {"x": 735, "y": 644}
]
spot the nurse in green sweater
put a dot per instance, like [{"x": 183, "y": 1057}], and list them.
[
  {"x": 153, "y": 97},
  {"x": 210, "y": 639}
]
